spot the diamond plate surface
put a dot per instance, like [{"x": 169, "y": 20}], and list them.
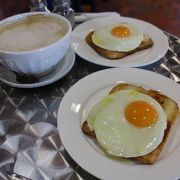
[{"x": 29, "y": 140}]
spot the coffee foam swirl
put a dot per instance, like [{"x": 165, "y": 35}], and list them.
[{"x": 33, "y": 32}]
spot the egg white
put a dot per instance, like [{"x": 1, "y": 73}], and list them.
[
  {"x": 103, "y": 38},
  {"x": 118, "y": 136}
]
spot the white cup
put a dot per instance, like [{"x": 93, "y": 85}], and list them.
[{"x": 38, "y": 61}]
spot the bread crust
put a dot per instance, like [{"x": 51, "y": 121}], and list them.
[
  {"x": 169, "y": 106},
  {"x": 113, "y": 55}
]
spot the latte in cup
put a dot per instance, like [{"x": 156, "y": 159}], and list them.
[
  {"x": 30, "y": 33},
  {"x": 33, "y": 43}
]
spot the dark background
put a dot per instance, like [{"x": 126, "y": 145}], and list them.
[{"x": 163, "y": 13}]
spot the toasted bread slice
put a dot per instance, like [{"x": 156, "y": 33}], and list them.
[
  {"x": 169, "y": 106},
  {"x": 146, "y": 43}
]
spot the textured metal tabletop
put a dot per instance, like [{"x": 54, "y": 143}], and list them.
[{"x": 29, "y": 141}]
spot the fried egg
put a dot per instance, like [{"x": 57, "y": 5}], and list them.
[
  {"x": 121, "y": 37},
  {"x": 128, "y": 123}
]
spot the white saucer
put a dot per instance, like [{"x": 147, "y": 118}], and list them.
[{"x": 60, "y": 71}]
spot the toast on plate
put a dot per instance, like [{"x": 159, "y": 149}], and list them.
[
  {"x": 170, "y": 108},
  {"x": 113, "y": 55}
]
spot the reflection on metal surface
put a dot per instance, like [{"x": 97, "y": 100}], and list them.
[
  {"x": 14, "y": 176},
  {"x": 29, "y": 142}
]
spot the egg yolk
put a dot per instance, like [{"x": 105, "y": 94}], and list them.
[
  {"x": 141, "y": 114},
  {"x": 121, "y": 31}
]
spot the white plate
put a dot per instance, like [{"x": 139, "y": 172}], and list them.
[
  {"x": 59, "y": 72},
  {"x": 79, "y": 100},
  {"x": 141, "y": 58}
]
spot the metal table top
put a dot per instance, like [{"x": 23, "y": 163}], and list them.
[{"x": 29, "y": 141}]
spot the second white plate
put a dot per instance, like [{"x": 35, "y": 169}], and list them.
[
  {"x": 138, "y": 59},
  {"x": 83, "y": 95}
]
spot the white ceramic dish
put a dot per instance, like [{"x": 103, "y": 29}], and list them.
[
  {"x": 38, "y": 61},
  {"x": 78, "y": 101},
  {"x": 59, "y": 72},
  {"x": 141, "y": 58}
]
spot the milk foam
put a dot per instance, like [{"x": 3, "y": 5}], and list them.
[{"x": 34, "y": 32}]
